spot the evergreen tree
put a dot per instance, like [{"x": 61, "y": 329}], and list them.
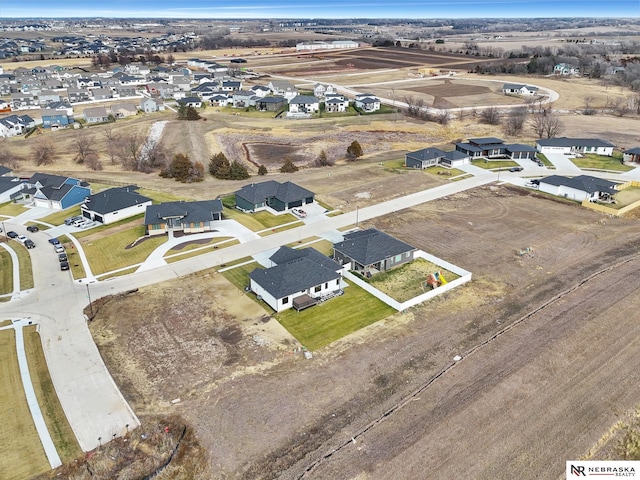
[
  {"x": 238, "y": 171},
  {"x": 262, "y": 170},
  {"x": 288, "y": 166},
  {"x": 354, "y": 151}
]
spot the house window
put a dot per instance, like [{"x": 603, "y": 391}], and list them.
[
  {"x": 338, "y": 282},
  {"x": 326, "y": 285},
  {"x": 317, "y": 289},
  {"x": 285, "y": 300},
  {"x": 398, "y": 258}
]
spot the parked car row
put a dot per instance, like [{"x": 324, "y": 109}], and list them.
[
  {"x": 27, "y": 242},
  {"x": 62, "y": 255},
  {"x": 79, "y": 221}
]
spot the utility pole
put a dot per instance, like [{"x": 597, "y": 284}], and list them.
[{"x": 90, "y": 304}]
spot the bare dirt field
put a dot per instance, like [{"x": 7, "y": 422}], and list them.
[{"x": 559, "y": 376}]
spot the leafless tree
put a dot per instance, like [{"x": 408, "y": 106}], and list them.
[
  {"x": 620, "y": 107},
  {"x": 490, "y": 115},
  {"x": 93, "y": 162},
  {"x": 112, "y": 138},
  {"x": 84, "y": 146},
  {"x": 515, "y": 120},
  {"x": 153, "y": 155},
  {"x": 546, "y": 124},
  {"x": 7, "y": 157},
  {"x": 43, "y": 151},
  {"x": 130, "y": 147},
  {"x": 588, "y": 109},
  {"x": 635, "y": 103},
  {"x": 443, "y": 117}
]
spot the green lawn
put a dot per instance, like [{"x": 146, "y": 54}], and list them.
[
  {"x": 544, "y": 159},
  {"x": 444, "y": 172},
  {"x": 327, "y": 322},
  {"x": 601, "y": 162},
  {"x": 189, "y": 250},
  {"x": 58, "y": 217},
  {"x": 398, "y": 163},
  {"x": 11, "y": 209},
  {"x": 57, "y": 424},
  {"x": 406, "y": 281},
  {"x": 160, "y": 197},
  {"x": 239, "y": 276},
  {"x": 281, "y": 228},
  {"x": 248, "y": 112},
  {"x": 6, "y": 272},
  {"x": 324, "y": 205},
  {"x": 110, "y": 253},
  {"x": 21, "y": 453},
  {"x": 491, "y": 164},
  {"x": 26, "y": 272},
  {"x": 259, "y": 220}
]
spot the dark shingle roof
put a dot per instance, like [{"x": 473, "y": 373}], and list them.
[
  {"x": 371, "y": 246},
  {"x": 304, "y": 99},
  {"x": 4, "y": 170},
  {"x": 519, "y": 147},
  {"x": 285, "y": 192},
  {"x": 114, "y": 199},
  {"x": 301, "y": 271},
  {"x": 486, "y": 141},
  {"x": 45, "y": 179},
  {"x": 633, "y": 151},
  {"x": 585, "y": 183},
  {"x": 193, "y": 211},
  {"x": 426, "y": 154},
  {"x": 573, "y": 142}
]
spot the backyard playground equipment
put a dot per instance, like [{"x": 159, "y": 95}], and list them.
[{"x": 434, "y": 280}]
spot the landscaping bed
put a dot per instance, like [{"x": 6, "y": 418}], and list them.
[{"x": 409, "y": 280}]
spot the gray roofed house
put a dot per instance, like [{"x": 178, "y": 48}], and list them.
[
  {"x": 304, "y": 104},
  {"x": 270, "y": 104},
  {"x": 96, "y": 115},
  {"x": 54, "y": 191},
  {"x": 574, "y": 146},
  {"x": 371, "y": 251},
  {"x": 271, "y": 194},
  {"x": 298, "y": 279},
  {"x": 186, "y": 217},
  {"x": 9, "y": 186},
  {"x": 114, "y": 204},
  {"x": 4, "y": 170},
  {"x": 491, "y": 147},
  {"x": 580, "y": 188},
  {"x": 427, "y": 157},
  {"x": 519, "y": 89}
]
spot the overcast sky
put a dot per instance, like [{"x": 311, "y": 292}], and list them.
[{"x": 319, "y": 9}]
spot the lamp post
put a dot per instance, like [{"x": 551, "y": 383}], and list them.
[
  {"x": 90, "y": 304},
  {"x": 357, "y": 212},
  {"x": 4, "y": 230}
]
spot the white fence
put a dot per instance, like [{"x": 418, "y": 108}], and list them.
[{"x": 464, "y": 277}]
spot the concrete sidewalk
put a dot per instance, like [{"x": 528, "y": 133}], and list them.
[{"x": 30, "y": 394}]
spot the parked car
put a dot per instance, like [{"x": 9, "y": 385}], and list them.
[
  {"x": 32, "y": 228},
  {"x": 54, "y": 241},
  {"x": 22, "y": 239},
  {"x": 12, "y": 234},
  {"x": 70, "y": 220},
  {"x": 299, "y": 212},
  {"x": 62, "y": 257},
  {"x": 516, "y": 169},
  {"x": 87, "y": 224},
  {"x": 59, "y": 249},
  {"x": 64, "y": 266},
  {"x": 29, "y": 243}
]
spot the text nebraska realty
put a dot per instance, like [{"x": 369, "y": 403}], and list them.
[{"x": 581, "y": 470}]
